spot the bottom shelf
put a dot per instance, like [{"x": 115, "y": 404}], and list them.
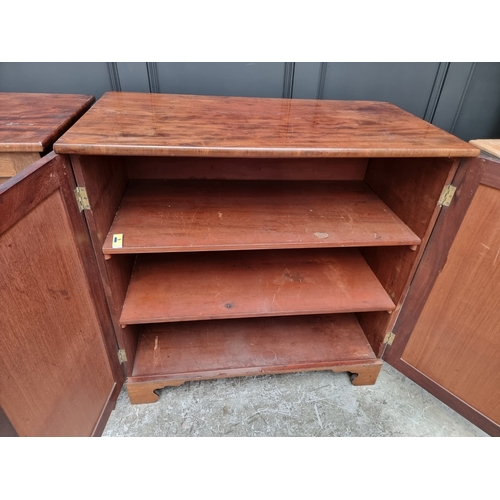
[{"x": 172, "y": 353}]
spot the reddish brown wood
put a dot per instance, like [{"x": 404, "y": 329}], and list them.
[
  {"x": 190, "y": 348},
  {"x": 135, "y": 124},
  {"x": 274, "y": 169},
  {"x": 190, "y": 216},
  {"x": 491, "y": 176},
  {"x": 147, "y": 392},
  {"x": 12, "y": 163},
  {"x": 169, "y": 354},
  {"x": 16, "y": 196},
  {"x": 32, "y": 122},
  {"x": 461, "y": 387},
  {"x": 57, "y": 357},
  {"x": 411, "y": 188},
  {"x": 106, "y": 411},
  {"x": 365, "y": 374},
  {"x": 181, "y": 287},
  {"x": 450, "y": 399},
  {"x": 457, "y": 333},
  {"x": 105, "y": 180},
  {"x": 431, "y": 265},
  {"x": 217, "y": 138}
]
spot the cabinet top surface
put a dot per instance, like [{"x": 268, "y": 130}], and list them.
[
  {"x": 189, "y": 125},
  {"x": 32, "y": 122}
]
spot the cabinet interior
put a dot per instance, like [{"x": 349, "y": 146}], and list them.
[{"x": 243, "y": 266}]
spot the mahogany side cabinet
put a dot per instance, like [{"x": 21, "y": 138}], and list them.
[
  {"x": 31, "y": 123},
  {"x": 172, "y": 238}
]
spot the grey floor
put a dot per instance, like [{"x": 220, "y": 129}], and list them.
[{"x": 299, "y": 404}]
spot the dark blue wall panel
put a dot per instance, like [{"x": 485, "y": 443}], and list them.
[
  {"x": 407, "y": 85},
  {"x": 306, "y": 79},
  {"x": 133, "y": 76},
  {"x": 59, "y": 78},
  {"x": 233, "y": 79},
  {"x": 479, "y": 115}
]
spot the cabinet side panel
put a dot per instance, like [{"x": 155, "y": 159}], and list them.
[
  {"x": 411, "y": 188},
  {"x": 12, "y": 163},
  {"x": 456, "y": 340},
  {"x": 105, "y": 179},
  {"x": 56, "y": 376}
]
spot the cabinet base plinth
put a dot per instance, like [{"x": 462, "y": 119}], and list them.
[
  {"x": 144, "y": 392},
  {"x": 365, "y": 375},
  {"x": 141, "y": 392}
]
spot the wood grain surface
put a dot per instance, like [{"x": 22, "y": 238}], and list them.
[
  {"x": 187, "y": 125},
  {"x": 491, "y": 146},
  {"x": 411, "y": 189},
  {"x": 189, "y": 348},
  {"x": 212, "y": 285},
  {"x": 105, "y": 180},
  {"x": 456, "y": 340},
  {"x": 58, "y": 378},
  {"x": 12, "y": 163},
  {"x": 361, "y": 373},
  {"x": 32, "y": 122},
  {"x": 466, "y": 180},
  {"x": 189, "y": 216},
  {"x": 273, "y": 169}
]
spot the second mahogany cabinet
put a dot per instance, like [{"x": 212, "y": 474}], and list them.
[
  {"x": 243, "y": 236},
  {"x": 31, "y": 123}
]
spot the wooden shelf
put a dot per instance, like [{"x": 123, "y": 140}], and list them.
[
  {"x": 218, "y": 285},
  {"x": 201, "y": 215},
  {"x": 212, "y": 349}
]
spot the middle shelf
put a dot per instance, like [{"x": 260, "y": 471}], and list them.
[
  {"x": 217, "y": 285},
  {"x": 158, "y": 216}
]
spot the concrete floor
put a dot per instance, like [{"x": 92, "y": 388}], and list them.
[{"x": 298, "y": 404}]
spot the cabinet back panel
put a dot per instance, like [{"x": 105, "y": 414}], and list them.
[{"x": 247, "y": 168}]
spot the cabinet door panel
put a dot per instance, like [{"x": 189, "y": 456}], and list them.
[
  {"x": 456, "y": 340},
  {"x": 447, "y": 336},
  {"x": 58, "y": 374}
]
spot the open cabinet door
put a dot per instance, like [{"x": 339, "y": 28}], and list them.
[
  {"x": 60, "y": 374},
  {"x": 447, "y": 336}
]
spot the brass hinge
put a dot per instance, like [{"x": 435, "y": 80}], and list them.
[
  {"x": 82, "y": 198},
  {"x": 122, "y": 356},
  {"x": 389, "y": 338},
  {"x": 447, "y": 195}
]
